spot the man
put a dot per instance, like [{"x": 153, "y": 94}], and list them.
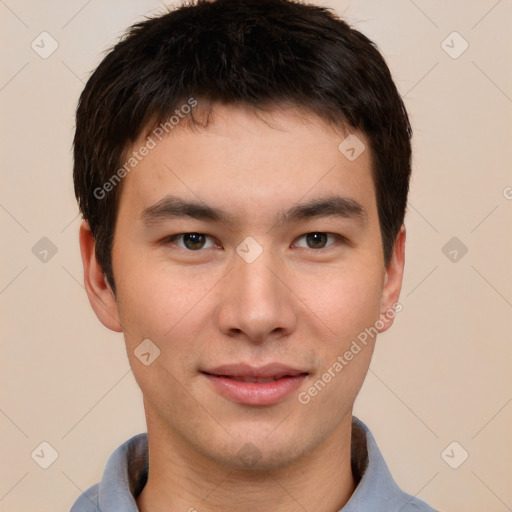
[{"x": 242, "y": 168}]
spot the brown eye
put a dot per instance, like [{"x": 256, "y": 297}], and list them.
[
  {"x": 316, "y": 240},
  {"x": 191, "y": 241}
]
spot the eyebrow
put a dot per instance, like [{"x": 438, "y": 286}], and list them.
[
  {"x": 331, "y": 206},
  {"x": 171, "y": 207}
]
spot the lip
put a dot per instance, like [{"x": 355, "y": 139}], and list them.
[{"x": 248, "y": 385}]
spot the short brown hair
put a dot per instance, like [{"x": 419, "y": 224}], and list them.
[{"x": 252, "y": 52}]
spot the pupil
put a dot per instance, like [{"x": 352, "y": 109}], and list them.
[
  {"x": 316, "y": 240},
  {"x": 193, "y": 240}
]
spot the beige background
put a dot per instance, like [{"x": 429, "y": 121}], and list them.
[{"x": 442, "y": 374}]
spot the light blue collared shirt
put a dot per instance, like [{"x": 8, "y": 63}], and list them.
[{"x": 127, "y": 468}]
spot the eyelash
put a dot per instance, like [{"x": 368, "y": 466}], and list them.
[{"x": 339, "y": 238}]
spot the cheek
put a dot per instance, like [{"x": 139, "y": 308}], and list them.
[
  {"x": 348, "y": 306},
  {"x": 169, "y": 307},
  {"x": 345, "y": 299},
  {"x": 169, "y": 314},
  {"x": 154, "y": 296}
]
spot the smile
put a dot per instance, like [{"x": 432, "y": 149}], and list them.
[{"x": 261, "y": 386}]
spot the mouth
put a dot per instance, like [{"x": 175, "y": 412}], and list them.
[
  {"x": 249, "y": 385},
  {"x": 259, "y": 380}
]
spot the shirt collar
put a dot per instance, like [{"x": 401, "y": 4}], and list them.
[
  {"x": 376, "y": 490},
  {"x": 127, "y": 468}
]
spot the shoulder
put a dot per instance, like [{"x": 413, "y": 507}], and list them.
[
  {"x": 416, "y": 505},
  {"x": 376, "y": 489},
  {"x": 87, "y": 501},
  {"x": 125, "y": 474}
]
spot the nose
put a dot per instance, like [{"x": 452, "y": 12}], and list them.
[{"x": 257, "y": 303}]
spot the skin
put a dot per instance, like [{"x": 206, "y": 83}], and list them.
[{"x": 294, "y": 304}]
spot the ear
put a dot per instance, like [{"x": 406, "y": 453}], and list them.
[
  {"x": 389, "y": 305},
  {"x": 101, "y": 296}
]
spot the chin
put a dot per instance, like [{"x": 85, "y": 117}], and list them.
[{"x": 255, "y": 453}]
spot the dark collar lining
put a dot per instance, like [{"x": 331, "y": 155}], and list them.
[
  {"x": 138, "y": 465},
  {"x": 359, "y": 452}
]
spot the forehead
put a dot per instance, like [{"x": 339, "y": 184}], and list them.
[{"x": 249, "y": 161}]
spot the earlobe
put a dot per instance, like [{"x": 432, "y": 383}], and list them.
[
  {"x": 101, "y": 297},
  {"x": 389, "y": 304}
]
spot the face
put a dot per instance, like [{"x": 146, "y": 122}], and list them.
[{"x": 255, "y": 293}]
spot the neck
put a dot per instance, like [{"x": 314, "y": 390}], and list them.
[{"x": 181, "y": 480}]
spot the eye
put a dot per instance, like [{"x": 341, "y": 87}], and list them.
[
  {"x": 191, "y": 241},
  {"x": 317, "y": 240}
]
